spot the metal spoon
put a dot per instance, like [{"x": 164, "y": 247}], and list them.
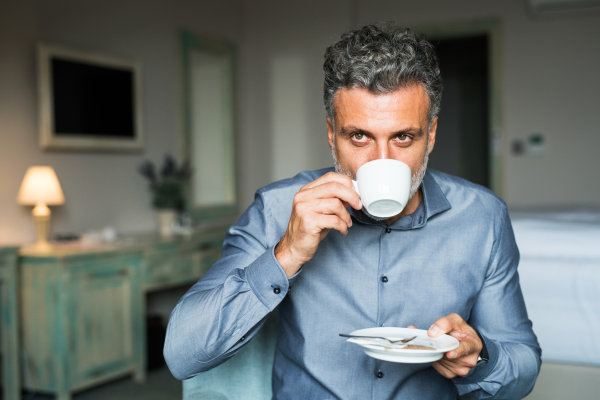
[{"x": 403, "y": 341}]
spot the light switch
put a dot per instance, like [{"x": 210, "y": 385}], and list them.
[{"x": 536, "y": 144}]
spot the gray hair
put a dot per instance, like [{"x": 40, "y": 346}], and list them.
[{"x": 382, "y": 58}]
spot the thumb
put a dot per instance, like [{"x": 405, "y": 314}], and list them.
[{"x": 441, "y": 326}]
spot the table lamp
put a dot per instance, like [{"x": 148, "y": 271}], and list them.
[{"x": 41, "y": 188}]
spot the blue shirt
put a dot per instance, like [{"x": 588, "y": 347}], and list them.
[{"x": 455, "y": 254}]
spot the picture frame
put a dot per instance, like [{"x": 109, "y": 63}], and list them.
[{"x": 88, "y": 101}]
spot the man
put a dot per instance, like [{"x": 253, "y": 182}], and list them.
[{"x": 446, "y": 263}]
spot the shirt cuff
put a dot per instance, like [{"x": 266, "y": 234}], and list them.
[
  {"x": 268, "y": 280},
  {"x": 483, "y": 370}
]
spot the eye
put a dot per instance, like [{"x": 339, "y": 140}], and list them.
[
  {"x": 403, "y": 139},
  {"x": 359, "y": 136}
]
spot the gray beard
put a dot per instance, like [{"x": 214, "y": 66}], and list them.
[{"x": 415, "y": 180}]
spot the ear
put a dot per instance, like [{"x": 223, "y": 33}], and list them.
[
  {"x": 330, "y": 132},
  {"x": 432, "y": 132}
]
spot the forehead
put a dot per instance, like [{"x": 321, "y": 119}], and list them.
[{"x": 405, "y": 106}]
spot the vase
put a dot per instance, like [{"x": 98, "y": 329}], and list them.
[{"x": 166, "y": 222}]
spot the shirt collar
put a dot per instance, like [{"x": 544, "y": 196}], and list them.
[{"x": 434, "y": 202}]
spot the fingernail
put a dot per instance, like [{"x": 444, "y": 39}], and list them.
[
  {"x": 360, "y": 204},
  {"x": 434, "y": 330},
  {"x": 350, "y": 224},
  {"x": 452, "y": 354}
]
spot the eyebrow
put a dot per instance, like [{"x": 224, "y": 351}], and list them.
[{"x": 351, "y": 130}]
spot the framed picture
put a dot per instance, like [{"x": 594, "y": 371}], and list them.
[{"x": 88, "y": 101}]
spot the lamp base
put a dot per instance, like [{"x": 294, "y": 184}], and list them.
[
  {"x": 41, "y": 247},
  {"x": 41, "y": 218}
]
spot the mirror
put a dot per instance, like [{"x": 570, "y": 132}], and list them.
[{"x": 209, "y": 144}]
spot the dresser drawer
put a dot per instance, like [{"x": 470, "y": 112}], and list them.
[{"x": 169, "y": 269}]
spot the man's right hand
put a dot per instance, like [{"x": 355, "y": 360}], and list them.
[{"x": 318, "y": 207}]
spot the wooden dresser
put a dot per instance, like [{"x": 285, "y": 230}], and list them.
[
  {"x": 9, "y": 324},
  {"x": 83, "y": 307}
]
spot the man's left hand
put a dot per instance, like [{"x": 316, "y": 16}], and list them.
[{"x": 459, "y": 361}]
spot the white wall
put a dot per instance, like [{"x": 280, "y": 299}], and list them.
[
  {"x": 550, "y": 85},
  {"x": 282, "y": 123},
  {"x": 100, "y": 188},
  {"x": 549, "y": 70}
]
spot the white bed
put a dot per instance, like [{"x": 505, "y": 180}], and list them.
[{"x": 560, "y": 279}]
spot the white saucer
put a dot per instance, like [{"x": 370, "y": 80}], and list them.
[{"x": 441, "y": 344}]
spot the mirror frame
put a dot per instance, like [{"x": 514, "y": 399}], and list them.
[{"x": 220, "y": 47}]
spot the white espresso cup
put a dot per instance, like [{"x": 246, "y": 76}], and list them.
[{"x": 383, "y": 186}]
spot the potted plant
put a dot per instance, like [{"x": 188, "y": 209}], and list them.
[{"x": 167, "y": 187}]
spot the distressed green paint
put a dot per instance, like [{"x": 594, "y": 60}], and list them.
[
  {"x": 493, "y": 29},
  {"x": 106, "y": 331},
  {"x": 84, "y": 314},
  {"x": 9, "y": 337}
]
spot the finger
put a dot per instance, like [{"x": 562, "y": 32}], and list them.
[
  {"x": 443, "y": 370},
  {"x": 461, "y": 350},
  {"x": 466, "y": 361},
  {"x": 331, "y": 222},
  {"x": 411, "y": 327},
  {"x": 332, "y": 206},
  {"x": 330, "y": 177},
  {"x": 452, "y": 364},
  {"x": 462, "y": 362},
  {"x": 445, "y": 325},
  {"x": 454, "y": 368},
  {"x": 466, "y": 347},
  {"x": 334, "y": 189}
]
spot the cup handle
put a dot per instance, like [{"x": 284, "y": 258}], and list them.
[{"x": 355, "y": 186}]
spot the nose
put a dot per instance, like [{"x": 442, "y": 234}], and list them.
[{"x": 383, "y": 150}]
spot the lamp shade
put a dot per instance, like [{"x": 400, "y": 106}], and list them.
[{"x": 40, "y": 185}]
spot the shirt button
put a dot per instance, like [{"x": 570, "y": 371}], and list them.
[
  {"x": 276, "y": 290},
  {"x": 243, "y": 338},
  {"x": 379, "y": 375},
  {"x": 384, "y": 279},
  {"x": 388, "y": 230}
]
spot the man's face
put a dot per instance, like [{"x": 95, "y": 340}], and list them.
[{"x": 370, "y": 127}]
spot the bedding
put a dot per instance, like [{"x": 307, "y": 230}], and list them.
[{"x": 560, "y": 278}]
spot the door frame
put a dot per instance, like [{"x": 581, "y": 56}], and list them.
[{"x": 493, "y": 29}]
